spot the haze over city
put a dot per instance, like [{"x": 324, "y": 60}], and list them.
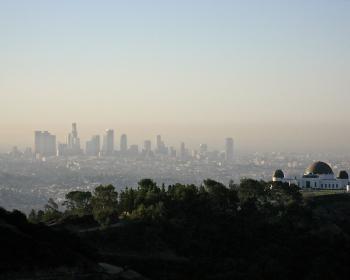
[
  {"x": 174, "y": 139},
  {"x": 262, "y": 72}
]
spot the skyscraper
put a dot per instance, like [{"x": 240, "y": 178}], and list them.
[
  {"x": 93, "y": 146},
  {"x": 183, "y": 152},
  {"x": 74, "y": 130},
  {"x": 160, "y": 146},
  {"x": 147, "y": 146},
  {"x": 44, "y": 144},
  {"x": 123, "y": 144},
  {"x": 229, "y": 149},
  {"x": 73, "y": 142},
  {"x": 108, "y": 143}
]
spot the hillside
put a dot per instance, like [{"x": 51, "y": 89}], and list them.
[
  {"x": 36, "y": 251},
  {"x": 254, "y": 230}
]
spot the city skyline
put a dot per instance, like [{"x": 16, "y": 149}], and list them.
[
  {"x": 46, "y": 144},
  {"x": 174, "y": 139},
  {"x": 264, "y": 71},
  {"x": 245, "y": 136}
]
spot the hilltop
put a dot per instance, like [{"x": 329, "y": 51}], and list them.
[{"x": 251, "y": 230}]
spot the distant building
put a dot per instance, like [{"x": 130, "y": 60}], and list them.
[
  {"x": 172, "y": 152},
  {"x": 183, "y": 151},
  {"x": 72, "y": 145},
  {"x": 108, "y": 143},
  {"x": 44, "y": 144},
  {"x": 134, "y": 150},
  {"x": 147, "y": 146},
  {"x": 159, "y": 142},
  {"x": 229, "y": 149},
  {"x": 318, "y": 175},
  {"x": 15, "y": 152},
  {"x": 203, "y": 152},
  {"x": 28, "y": 153},
  {"x": 203, "y": 148},
  {"x": 160, "y": 146},
  {"x": 62, "y": 149},
  {"x": 93, "y": 146},
  {"x": 73, "y": 142},
  {"x": 194, "y": 154},
  {"x": 124, "y": 144}
]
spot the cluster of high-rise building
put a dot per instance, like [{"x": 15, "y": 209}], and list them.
[
  {"x": 72, "y": 145},
  {"x": 45, "y": 146}
]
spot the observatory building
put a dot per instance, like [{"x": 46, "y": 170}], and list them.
[{"x": 318, "y": 175}]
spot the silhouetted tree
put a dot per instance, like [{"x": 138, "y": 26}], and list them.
[
  {"x": 78, "y": 203},
  {"x": 51, "y": 212},
  {"x": 105, "y": 205},
  {"x": 33, "y": 217}
]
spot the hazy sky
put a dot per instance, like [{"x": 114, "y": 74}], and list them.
[{"x": 275, "y": 75}]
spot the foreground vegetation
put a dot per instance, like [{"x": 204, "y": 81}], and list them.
[{"x": 251, "y": 230}]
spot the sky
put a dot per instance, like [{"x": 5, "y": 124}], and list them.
[{"x": 273, "y": 74}]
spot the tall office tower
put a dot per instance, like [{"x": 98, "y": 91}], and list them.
[
  {"x": 44, "y": 144},
  {"x": 108, "y": 143},
  {"x": 74, "y": 130},
  {"x": 123, "y": 144},
  {"x": 183, "y": 151},
  {"x": 37, "y": 142},
  {"x": 93, "y": 146},
  {"x": 73, "y": 141},
  {"x": 96, "y": 142},
  {"x": 229, "y": 149},
  {"x": 160, "y": 146},
  {"x": 147, "y": 146}
]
